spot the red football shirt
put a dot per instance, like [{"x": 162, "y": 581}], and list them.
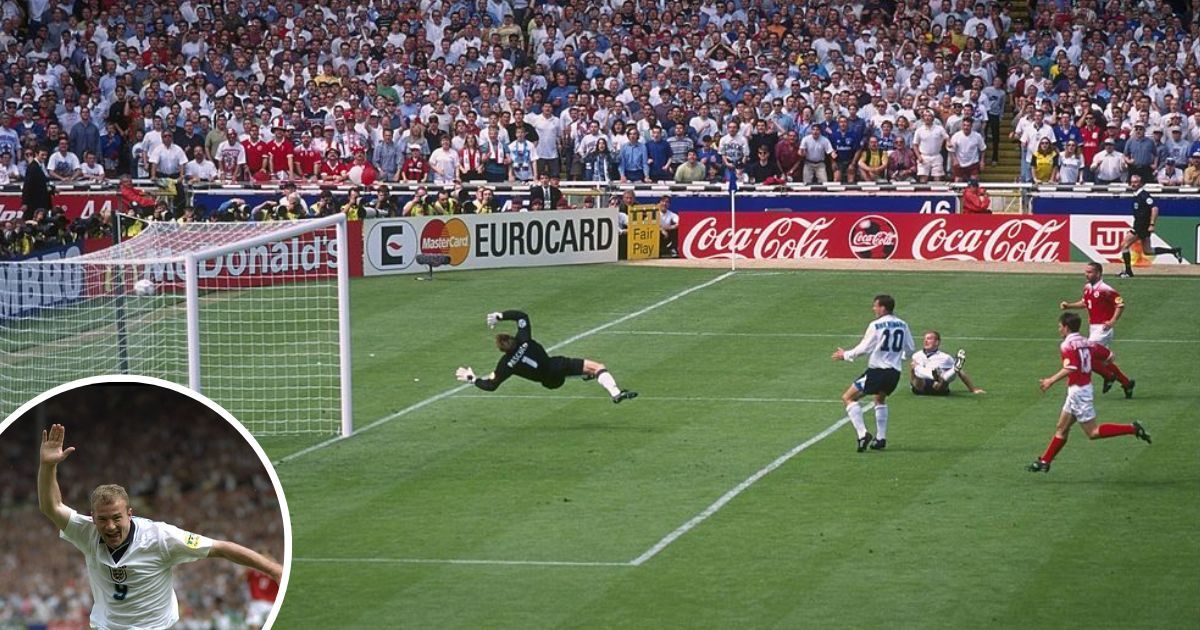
[
  {"x": 1079, "y": 355},
  {"x": 262, "y": 587},
  {"x": 1101, "y": 301},
  {"x": 256, "y": 153},
  {"x": 279, "y": 153},
  {"x": 307, "y": 159}
]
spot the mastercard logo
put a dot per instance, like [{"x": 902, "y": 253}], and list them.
[{"x": 446, "y": 237}]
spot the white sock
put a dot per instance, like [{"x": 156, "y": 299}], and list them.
[
  {"x": 609, "y": 383},
  {"x": 881, "y": 417},
  {"x": 856, "y": 418},
  {"x": 949, "y": 375}
]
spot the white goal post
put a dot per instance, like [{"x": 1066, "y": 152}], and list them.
[{"x": 254, "y": 315}]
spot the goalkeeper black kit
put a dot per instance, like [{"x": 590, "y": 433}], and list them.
[{"x": 529, "y": 360}]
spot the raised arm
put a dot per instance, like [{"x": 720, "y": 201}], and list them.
[
  {"x": 49, "y": 496},
  {"x": 234, "y": 552},
  {"x": 524, "y": 328}
]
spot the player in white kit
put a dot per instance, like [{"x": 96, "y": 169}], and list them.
[
  {"x": 129, "y": 559},
  {"x": 932, "y": 370},
  {"x": 889, "y": 342}
]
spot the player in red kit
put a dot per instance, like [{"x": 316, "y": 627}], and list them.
[
  {"x": 1104, "y": 306},
  {"x": 1079, "y": 357},
  {"x": 263, "y": 591}
]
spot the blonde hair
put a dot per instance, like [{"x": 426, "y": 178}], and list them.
[{"x": 109, "y": 493}]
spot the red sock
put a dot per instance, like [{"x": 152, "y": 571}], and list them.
[
  {"x": 1116, "y": 371},
  {"x": 1113, "y": 430},
  {"x": 1056, "y": 445},
  {"x": 1104, "y": 370}
]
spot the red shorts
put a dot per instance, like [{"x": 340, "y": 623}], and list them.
[{"x": 966, "y": 172}]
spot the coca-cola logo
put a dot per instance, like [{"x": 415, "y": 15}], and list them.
[
  {"x": 1015, "y": 240},
  {"x": 783, "y": 238},
  {"x": 873, "y": 237}
]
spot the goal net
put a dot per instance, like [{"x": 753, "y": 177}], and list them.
[{"x": 253, "y": 315}]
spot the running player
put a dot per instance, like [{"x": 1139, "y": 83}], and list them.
[
  {"x": 129, "y": 558},
  {"x": 932, "y": 370},
  {"x": 1079, "y": 355},
  {"x": 888, "y": 341},
  {"x": 1104, "y": 306},
  {"x": 527, "y": 358},
  {"x": 1145, "y": 216}
]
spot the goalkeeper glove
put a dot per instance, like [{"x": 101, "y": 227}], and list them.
[
  {"x": 465, "y": 374},
  {"x": 492, "y": 318}
]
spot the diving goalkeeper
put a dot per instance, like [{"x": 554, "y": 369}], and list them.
[{"x": 527, "y": 358}]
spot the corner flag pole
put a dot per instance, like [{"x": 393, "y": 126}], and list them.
[{"x": 732, "y": 219}]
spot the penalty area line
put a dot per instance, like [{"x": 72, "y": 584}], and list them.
[
  {"x": 738, "y": 489},
  {"x": 658, "y": 398},
  {"x": 535, "y": 563},
  {"x": 450, "y": 392}
]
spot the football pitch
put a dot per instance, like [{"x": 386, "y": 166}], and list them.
[{"x": 729, "y": 494}]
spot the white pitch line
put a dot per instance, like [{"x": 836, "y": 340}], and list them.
[
  {"x": 539, "y": 563},
  {"x": 659, "y": 398},
  {"x": 450, "y": 392},
  {"x": 680, "y": 333},
  {"x": 738, "y": 489}
]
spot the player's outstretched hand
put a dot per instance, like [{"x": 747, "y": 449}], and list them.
[
  {"x": 839, "y": 354},
  {"x": 1062, "y": 306},
  {"x": 465, "y": 374},
  {"x": 493, "y": 318},
  {"x": 52, "y": 445}
]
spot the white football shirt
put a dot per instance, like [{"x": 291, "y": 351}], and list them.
[
  {"x": 925, "y": 365},
  {"x": 889, "y": 342},
  {"x": 135, "y": 591}
]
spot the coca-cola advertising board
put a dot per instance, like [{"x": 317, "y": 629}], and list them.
[
  {"x": 76, "y": 205},
  {"x": 796, "y": 236}
]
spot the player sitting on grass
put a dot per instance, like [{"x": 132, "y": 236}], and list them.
[
  {"x": 932, "y": 370},
  {"x": 527, "y": 358}
]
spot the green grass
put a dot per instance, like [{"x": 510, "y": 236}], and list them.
[{"x": 943, "y": 530}]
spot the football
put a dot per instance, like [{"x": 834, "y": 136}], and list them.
[{"x": 144, "y": 287}]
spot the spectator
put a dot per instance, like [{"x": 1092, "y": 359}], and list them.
[
  {"x": 1110, "y": 165},
  {"x": 63, "y": 166},
  {"x": 600, "y": 165},
  {"x": 632, "y": 163},
  {"x": 658, "y": 156},
  {"x": 872, "y": 162},
  {"x": 691, "y": 170},
  {"x": 1065, "y": 131},
  {"x": 167, "y": 159},
  {"x": 547, "y": 192},
  {"x": 681, "y": 145},
  {"x": 817, "y": 153},
  {"x": 1141, "y": 153},
  {"x": 929, "y": 140},
  {"x": 84, "y": 136},
  {"x": 471, "y": 160},
  {"x": 231, "y": 157},
  {"x": 1091, "y": 136},
  {"x": 1169, "y": 175},
  {"x": 1043, "y": 164},
  {"x": 1175, "y": 146},
  {"x": 846, "y": 143},
  {"x": 306, "y": 157},
  {"x": 967, "y": 150},
  {"x": 1070, "y": 165},
  {"x": 496, "y": 157},
  {"x": 525, "y": 158},
  {"x": 91, "y": 170},
  {"x": 9, "y": 174},
  {"x": 548, "y": 128},
  {"x": 763, "y": 168},
  {"x": 415, "y": 167},
  {"x": 444, "y": 163},
  {"x": 1191, "y": 176},
  {"x": 975, "y": 199},
  {"x": 901, "y": 162}
]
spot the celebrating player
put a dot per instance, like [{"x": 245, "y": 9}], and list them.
[
  {"x": 1079, "y": 356},
  {"x": 1145, "y": 216},
  {"x": 129, "y": 558},
  {"x": 932, "y": 370},
  {"x": 889, "y": 341},
  {"x": 527, "y": 358},
  {"x": 1104, "y": 306}
]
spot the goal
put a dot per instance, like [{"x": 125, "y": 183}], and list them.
[{"x": 253, "y": 315}]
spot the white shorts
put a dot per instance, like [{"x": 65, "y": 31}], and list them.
[
  {"x": 257, "y": 612},
  {"x": 930, "y": 165},
  {"x": 1097, "y": 333},
  {"x": 1079, "y": 403}
]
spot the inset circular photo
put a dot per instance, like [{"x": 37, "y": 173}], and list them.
[{"x": 130, "y": 502}]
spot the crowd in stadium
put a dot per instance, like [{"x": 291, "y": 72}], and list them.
[
  {"x": 445, "y": 91},
  {"x": 43, "y": 579}
]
